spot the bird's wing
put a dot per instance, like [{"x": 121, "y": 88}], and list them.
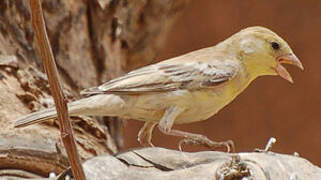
[{"x": 169, "y": 76}]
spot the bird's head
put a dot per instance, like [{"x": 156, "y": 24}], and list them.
[{"x": 263, "y": 52}]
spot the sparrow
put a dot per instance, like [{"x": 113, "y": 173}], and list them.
[{"x": 184, "y": 89}]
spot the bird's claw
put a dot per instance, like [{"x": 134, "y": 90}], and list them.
[
  {"x": 229, "y": 145},
  {"x": 268, "y": 146}
]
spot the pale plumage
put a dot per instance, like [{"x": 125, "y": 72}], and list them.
[
  {"x": 171, "y": 75},
  {"x": 185, "y": 89}
]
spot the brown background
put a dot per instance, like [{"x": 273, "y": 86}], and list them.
[{"x": 270, "y": 106}]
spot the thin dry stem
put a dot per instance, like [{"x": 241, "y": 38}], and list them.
[{"x": 55, "y": 87}]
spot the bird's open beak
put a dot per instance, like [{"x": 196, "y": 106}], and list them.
[{"x": 287, "y": 59}]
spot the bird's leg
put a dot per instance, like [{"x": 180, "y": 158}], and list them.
[
  {"x": 145, "y": 134},
  {"x": 167, "y": 121}
]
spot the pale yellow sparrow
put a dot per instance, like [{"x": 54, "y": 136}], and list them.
[{"x": 184, "y": 89}]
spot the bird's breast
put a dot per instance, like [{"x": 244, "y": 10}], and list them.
[{"x": 207, "y": 102}]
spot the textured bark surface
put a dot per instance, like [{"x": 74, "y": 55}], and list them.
[{"x": 92, "y": 42}]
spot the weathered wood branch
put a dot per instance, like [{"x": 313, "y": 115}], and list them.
[{"x": 159, "y": 163}]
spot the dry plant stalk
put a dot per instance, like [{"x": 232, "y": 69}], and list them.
[{"x": 55, "y": 87}]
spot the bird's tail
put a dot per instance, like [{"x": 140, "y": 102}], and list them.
[
  {"x": 36, "y": 117},
  {"x": 104, "y": 105}
]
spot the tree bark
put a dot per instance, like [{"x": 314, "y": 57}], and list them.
[{"x": 93, "y": 41}]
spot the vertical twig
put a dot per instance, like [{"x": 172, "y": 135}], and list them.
[{"x": 55, "y": 87}]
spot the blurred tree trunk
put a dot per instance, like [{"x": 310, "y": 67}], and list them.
[{"x": 93, "y": 41}]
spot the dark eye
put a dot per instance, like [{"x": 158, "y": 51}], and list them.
[{"x": 275, "y": 45}]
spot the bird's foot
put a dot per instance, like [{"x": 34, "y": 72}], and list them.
[
  {"x": 145, "y": 143},
  {"x": 229, "y": 145}
]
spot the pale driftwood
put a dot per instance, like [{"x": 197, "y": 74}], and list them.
[{"x": 164, "y": 164}]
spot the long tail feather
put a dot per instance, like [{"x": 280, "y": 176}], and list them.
[
  {"x": 36, "y": 117},
  {"x": 103, "y": 105}
]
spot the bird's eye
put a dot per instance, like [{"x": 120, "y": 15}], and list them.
[{"x": 275, "y": 45}]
